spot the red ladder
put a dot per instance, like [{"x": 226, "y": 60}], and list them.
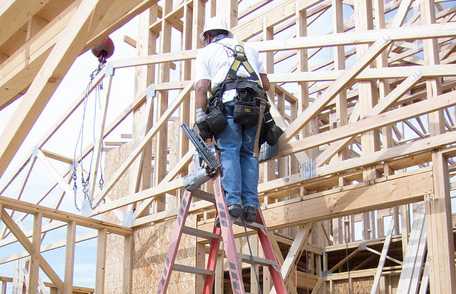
[{"x": 222, "y": 231}]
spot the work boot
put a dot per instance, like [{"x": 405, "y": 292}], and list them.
[
  {"x": 250, "y": 214},
  {"x": 235, "y": 210}
]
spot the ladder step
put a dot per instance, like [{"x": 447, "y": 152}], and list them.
[
  {"x": 257, "y": 260},
  {"x": 200, "y": 233},
  {"x": 253, "y": 226},
  {"x": 192, "y": 270},
  {"x": 203, "y": 195}
]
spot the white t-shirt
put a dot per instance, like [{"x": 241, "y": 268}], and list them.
[{"x": 214, "y": 61}]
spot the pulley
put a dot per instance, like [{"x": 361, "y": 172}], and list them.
[{"x": 103, "y": 50}]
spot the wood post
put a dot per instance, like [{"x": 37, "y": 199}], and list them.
[
  {"x": 439, "y": 230},
  {"x": 101, "y": 261},
  {"x": 69, "y": 258},
  {"x": 36, "y": 251},
  {"x": 128, "y": 264}
]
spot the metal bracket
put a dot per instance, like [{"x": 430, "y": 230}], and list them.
[
  {"x": 35, "y": 151},
  {"x": 151, "y": 92},
  {"x": 109, "y": 69}
]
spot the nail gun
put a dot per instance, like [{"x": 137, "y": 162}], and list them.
[{"x": 208, "y": 163}]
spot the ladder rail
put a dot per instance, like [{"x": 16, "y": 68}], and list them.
[
  {"x": 174, "y": 246},
  {"x": 234, "y": 264},
  {"x": 268, "y": 251},
  {"x": 212, "y": 260}
]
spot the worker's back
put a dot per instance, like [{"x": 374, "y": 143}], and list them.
[{"x": 214, "y": 61}]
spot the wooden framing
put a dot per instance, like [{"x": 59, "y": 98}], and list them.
[{"x": 373, "y": 115}]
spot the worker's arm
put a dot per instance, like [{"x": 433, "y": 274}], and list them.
[
  {"x": 265, "y": 81},
  {"x": 201, "y": 89}
]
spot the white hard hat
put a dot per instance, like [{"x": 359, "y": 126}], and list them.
[{"x": 215, "y": 23}]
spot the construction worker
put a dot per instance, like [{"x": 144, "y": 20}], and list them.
[{"x": 225, "y": 71}]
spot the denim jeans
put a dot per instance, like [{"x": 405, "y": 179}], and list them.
[{"x": 239, "y": 166}]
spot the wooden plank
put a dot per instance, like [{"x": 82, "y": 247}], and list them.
[
  {"x": 17, "y": 72},
  {"x": 101, "y": 261},
  {"x": 369, "y": 123},
  {"x": 381, "y": 262},
  {"x": 68, "y": 46},
  {"x": 22, "y": 238},
  {"x": 329, "y": 40},
  {"x": 414, "y": 256},
  {"x": 33, "y": 283},
  {"x": 332, "y": 91},
  {"x": 424, "y": 285},
  {"x": 330, "y": 204},
  {"x": 14, "y": 14},
  {"x": 69, "y": 258},
  {"x": 431, "y": 57},
  {"x": 439, "y": 229},
  {"x": 301, "y": 238},
  {"x": 383, "y": 105},
  {"x": 134, "y": 154},
  {"x": 399, "y": 72},
  {"x": 128, "y": 264},
  {"x": 401, "y": 13},
  {"x": 47, "y": 247},
  {"x": 27, "y": 207},
  {"x": 294, "y": 181}
]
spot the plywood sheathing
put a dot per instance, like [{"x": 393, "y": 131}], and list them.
[{"x": 150, "y": 245}]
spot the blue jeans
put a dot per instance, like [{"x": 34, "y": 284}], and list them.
[{"x": 239, "y": 166}]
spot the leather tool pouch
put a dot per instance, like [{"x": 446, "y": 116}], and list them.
[
  {"x": 216, "y": 121},
  {"x": 270, "y": 132},
  {"x": 246, "y": 114},
  {"x": 247, "y": 103}
]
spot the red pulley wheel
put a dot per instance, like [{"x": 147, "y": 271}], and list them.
[{"x": 104, "y": 49}]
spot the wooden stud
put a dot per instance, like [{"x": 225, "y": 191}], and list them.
[
  {"x": 128, "y": 264},
  {"x": 9, "y": 222},
  {"x": 101, "y": 261},
  {"x": 439, "y": 230},
  {"x": 36, "y": 251},
  {"x": 69, "y": 258}
]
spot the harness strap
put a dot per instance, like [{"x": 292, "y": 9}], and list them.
[{"x": 240, "y": 59}]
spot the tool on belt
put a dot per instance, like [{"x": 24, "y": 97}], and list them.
[{"x": 207, "y": 165}]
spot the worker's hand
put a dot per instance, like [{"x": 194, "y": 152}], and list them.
[
  {"x": 200, "y": 115},
  {"x": 202, "y": 125}
]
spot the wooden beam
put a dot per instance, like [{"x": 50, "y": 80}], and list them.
[
  {"x": 401, "y": 13},
  {"x": 301, "y": 238},
  {"x": 63, "y": 216},
  {"x": 135, "y": 153},
  {"x": 392, "y": 97},
  {"x": 128, "y": 264},
  {"x": 20, "y": 236},
  {"x": 66, "y": 49},
  {"x": 369, "y": 123},
  {"x": 14, "y": 14},
  {"x": 320, "y": 206},
  {"x": 332, "y": 91},
  {"x": 18, "y": 71},
  {"x": 439, "y": 230},
  {"x": 294, "y": 181},
  {"x": 381, "y": 262},
  {"x": 47, "y": 247},
  {"x": 34, "y": 256},
  {"x": 101, "y": 261},
  {"x": 69, "y": 258}
]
